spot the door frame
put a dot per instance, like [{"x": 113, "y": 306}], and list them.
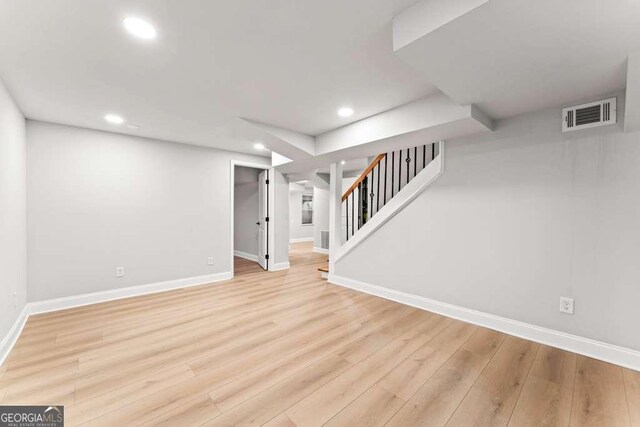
[{"x": 232, "y": 194}]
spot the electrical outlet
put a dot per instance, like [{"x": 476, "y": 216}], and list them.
[
  {"x": 210, "y": 260},
  {"x": 119, "y": 271},
  {"x": 566, "y": 305}
]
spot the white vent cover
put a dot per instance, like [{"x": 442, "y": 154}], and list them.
[{"x": 589, "y": 115}]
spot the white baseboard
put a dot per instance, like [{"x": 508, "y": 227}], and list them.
[
  {"x": 245, "y": 255},
  {"x": 46, "y": 306},
  {"x": 10, "y": 339},
  {"x": 56, "y": 304},
  {"x": 595, "y": 349},
  {"x": 301, "y": 239},
  {"x": 277, "y": 266},
  {"x": 321, "y": 250}
]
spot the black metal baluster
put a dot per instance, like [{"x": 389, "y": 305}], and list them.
[
  {"x": 353, "y": 203},
  {"x": 433, "y": 151},
  {"x": 424, "y": 156},
  {"x": 399, "y": 170},
  {"x": 378, "y": 190},
  {"x": 393, "y": 169},
  {"x": 408, "y": 165},
  {"x": 385, "y": 179},
  {"x": 347, "y": 216},
  {"x": 360, "y": 205},
  {"x": 415, "y": 161},
  {"x": 365, "y": 201},
  {"x": 372, "y": 195}
]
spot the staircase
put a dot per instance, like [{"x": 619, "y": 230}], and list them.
[
  {"x": 386, "y": 176},
  {"x": 390, "y": 182}
]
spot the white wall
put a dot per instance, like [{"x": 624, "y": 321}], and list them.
[
  {"x": 296, "y": 229},
  {"x": 98, "y": 200},
  {"x": 321, "y": 214},
  {"x": 13, "y": 215},
  {"x": 280, "y": 235},
  {"x": 246, "y": 210},
  {"x": 520, "y": 218}
]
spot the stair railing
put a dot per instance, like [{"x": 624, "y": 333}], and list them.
[{"x": 381, "y": 181}]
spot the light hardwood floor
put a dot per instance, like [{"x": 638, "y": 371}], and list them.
[{"x": 286, "y": 349}]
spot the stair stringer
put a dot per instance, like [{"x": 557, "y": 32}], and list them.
[{"x": 402, "y": 199}]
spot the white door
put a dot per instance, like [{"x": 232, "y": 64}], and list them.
[{"x": 263, "y": 215}]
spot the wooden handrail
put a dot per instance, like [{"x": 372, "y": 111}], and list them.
[{"x": 363, "y": 175}]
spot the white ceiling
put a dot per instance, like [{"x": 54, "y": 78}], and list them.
[
  {"x": 293, "y": 63},
  {"x": 352, "y": 165},
  {"x": 514, "y": 56},
  {"x": 284, "y": 62}
]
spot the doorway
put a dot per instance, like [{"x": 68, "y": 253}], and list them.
[{"x": 250, "y": 228}]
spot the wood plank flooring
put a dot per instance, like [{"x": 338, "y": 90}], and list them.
[{"x": 287, "y": 349}]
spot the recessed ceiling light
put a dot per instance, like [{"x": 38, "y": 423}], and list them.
[
  {"x": 114, "y": 119},
  {"x": 139, "y": 28},
  {"x": 345, "y": 112},
  {"x": 343, "y": 162},
  {"x": 258, "y": 146}
]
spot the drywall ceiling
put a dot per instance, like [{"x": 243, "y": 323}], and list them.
[
  {"x": 514, "y": 56},
  {"x": 353, "y": 165},
  {"x": 283, "y": 62}
]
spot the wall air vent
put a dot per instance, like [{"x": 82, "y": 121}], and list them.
[{"x": 589, "y": 115}]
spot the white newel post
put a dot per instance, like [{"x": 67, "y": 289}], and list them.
[{"x": 335, "y": 206}]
